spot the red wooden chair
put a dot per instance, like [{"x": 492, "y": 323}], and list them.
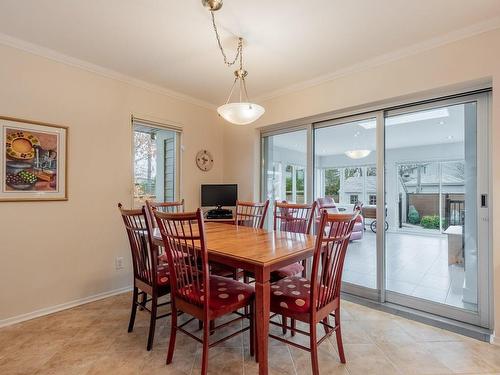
[
  {"x": 251, "y": 214},
  {"x": 297, "y": 218},
  {"x": 177, "y": 207},
  {"x": 173, "y": 207},
  {"x": 150, "y": 278},
  {"x": 194, "y": 291},
  {"x": 313, "y": 301}
]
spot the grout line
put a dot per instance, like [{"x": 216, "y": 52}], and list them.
[{"x": 291, "y": 357}]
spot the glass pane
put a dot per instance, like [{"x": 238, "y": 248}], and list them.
[
  {"x": 285, "y": 160},
  {"x": 345, "y": 174},
  {"x": 431, "y": 244},
  {"x": 155, "y": 154}
]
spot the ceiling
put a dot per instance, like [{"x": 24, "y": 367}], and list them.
[
  {"x": 401, "y": 131},
  {"x": 171, "y": 43}
]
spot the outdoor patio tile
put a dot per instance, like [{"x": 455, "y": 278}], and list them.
[{"x": 431, "y": 294}]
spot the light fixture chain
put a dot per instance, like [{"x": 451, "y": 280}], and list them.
[{"x": 239, "y": 51}]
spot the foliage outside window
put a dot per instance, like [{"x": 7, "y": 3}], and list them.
[
  {"x": 144, "y": 165},
  {"x": 332, "y": 183},
  {"x": 299, "y": 182},
  {"x": 353, "y": 172},
  {"x": 289, "y": 182}
]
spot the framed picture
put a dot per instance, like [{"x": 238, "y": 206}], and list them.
[{"x": 33, "y": 165}]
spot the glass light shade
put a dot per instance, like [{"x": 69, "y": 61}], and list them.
[
  {"x": 358, "y": 154},
  {"x": 240, "y": 113}
]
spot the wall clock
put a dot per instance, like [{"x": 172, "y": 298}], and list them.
[{"x": 204, "y": 160}]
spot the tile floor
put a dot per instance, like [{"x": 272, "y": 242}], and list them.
[
  {"x": 93, "y": 339},
  {"x": 417, "y": 265}
]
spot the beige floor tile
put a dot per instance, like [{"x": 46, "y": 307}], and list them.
[
  {"x": 125, "y": 363},
  {"x": 353, "y": 333},
  {"x": 328, "y": 360},
  {"x": 280, "y": 362},
  {"x": 221, "y": 360},
  {"x": 93, "y": 339},
  {"x": 385, "y": 331},
  {"x": 69, "y": 363},
  {"x": 368, "y": 359},
  {"x": 182, "y": 362},
  {"x": 413, "y": 358},
  {"x": 425, "y": 333},
  {"x": 460, "y": 357}
]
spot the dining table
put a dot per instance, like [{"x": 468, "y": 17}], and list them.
[{"x": 260, "y": 252}]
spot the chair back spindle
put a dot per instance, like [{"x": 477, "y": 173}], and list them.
[
  {"x": 329, "y": 255},
  {"x": 251, "y": 214},
  {"x": 170, "y": 207},
  {"x": 184, "y": 240},
  {"x": 290, "y": 217}
]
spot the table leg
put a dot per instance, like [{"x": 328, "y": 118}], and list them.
[{"x": 262, "y": 300}]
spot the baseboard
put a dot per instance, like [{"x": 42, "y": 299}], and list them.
[
  {"x": 494, "y": 339},
  {"x": 63, "y": 306}
]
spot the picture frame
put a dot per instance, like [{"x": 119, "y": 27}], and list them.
[{"x": 33, "y": 161}]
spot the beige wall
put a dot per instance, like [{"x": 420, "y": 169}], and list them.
[
  {"x": 468, "y": 60},
  {"x": 56, "y": 252}
]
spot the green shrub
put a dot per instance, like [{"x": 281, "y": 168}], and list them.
[
  {"x": 413, "y": 215},
  {"x": 430, "y": 222}
]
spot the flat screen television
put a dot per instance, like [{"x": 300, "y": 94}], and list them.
[{"x": 221, "y": 195}]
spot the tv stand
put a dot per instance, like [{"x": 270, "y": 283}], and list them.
[{"x": 219, "y": 213}]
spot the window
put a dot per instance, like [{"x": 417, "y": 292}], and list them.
[
  {"x": 353, "y": 198},
  {"x": 372, "y": 199},
  {"x": 294, "y": 183},
  {"x": 155, "y": 163}
]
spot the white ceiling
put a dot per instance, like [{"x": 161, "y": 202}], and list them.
[
  {"x": 171, "y": 43},
  {"x": 336, "y": 140}
]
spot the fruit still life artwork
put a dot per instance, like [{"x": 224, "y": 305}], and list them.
[{"x": 31, "y": 162}]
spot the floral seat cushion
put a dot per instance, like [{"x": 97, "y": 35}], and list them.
[
  {"x": 291, "y": 270},
  {"x": 224, "y": 293},
  {"x": 163, "y": 276},
  {"x": 291, "y": 293}
]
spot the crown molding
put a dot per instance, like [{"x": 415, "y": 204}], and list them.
[
  {"x": 48, "y": 53},
  {"x": 414, "y": 49},
  {"x": 429, "y": 44}
]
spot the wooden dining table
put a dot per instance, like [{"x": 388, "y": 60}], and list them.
[{"x": 258, "y": 251}]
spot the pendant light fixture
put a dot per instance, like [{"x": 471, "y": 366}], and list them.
[
  {"x": 358, "y": 154},
  {"x": 242, "y": 112}
]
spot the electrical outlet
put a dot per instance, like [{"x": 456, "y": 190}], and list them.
[{"x": 119, "y": 263}]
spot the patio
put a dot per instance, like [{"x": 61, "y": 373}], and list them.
[{"x": 417, "y": 265}]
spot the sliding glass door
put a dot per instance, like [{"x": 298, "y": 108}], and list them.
[
  {"x": 436, "y": 173},
  {"x": 420, "y": 174},
  {"x": 345, "y": 175}
]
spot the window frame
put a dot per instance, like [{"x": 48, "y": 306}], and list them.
[{"x": 166, "y": 126}]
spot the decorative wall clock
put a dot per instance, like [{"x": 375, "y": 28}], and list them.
[{"x": 204, "y": 160}]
